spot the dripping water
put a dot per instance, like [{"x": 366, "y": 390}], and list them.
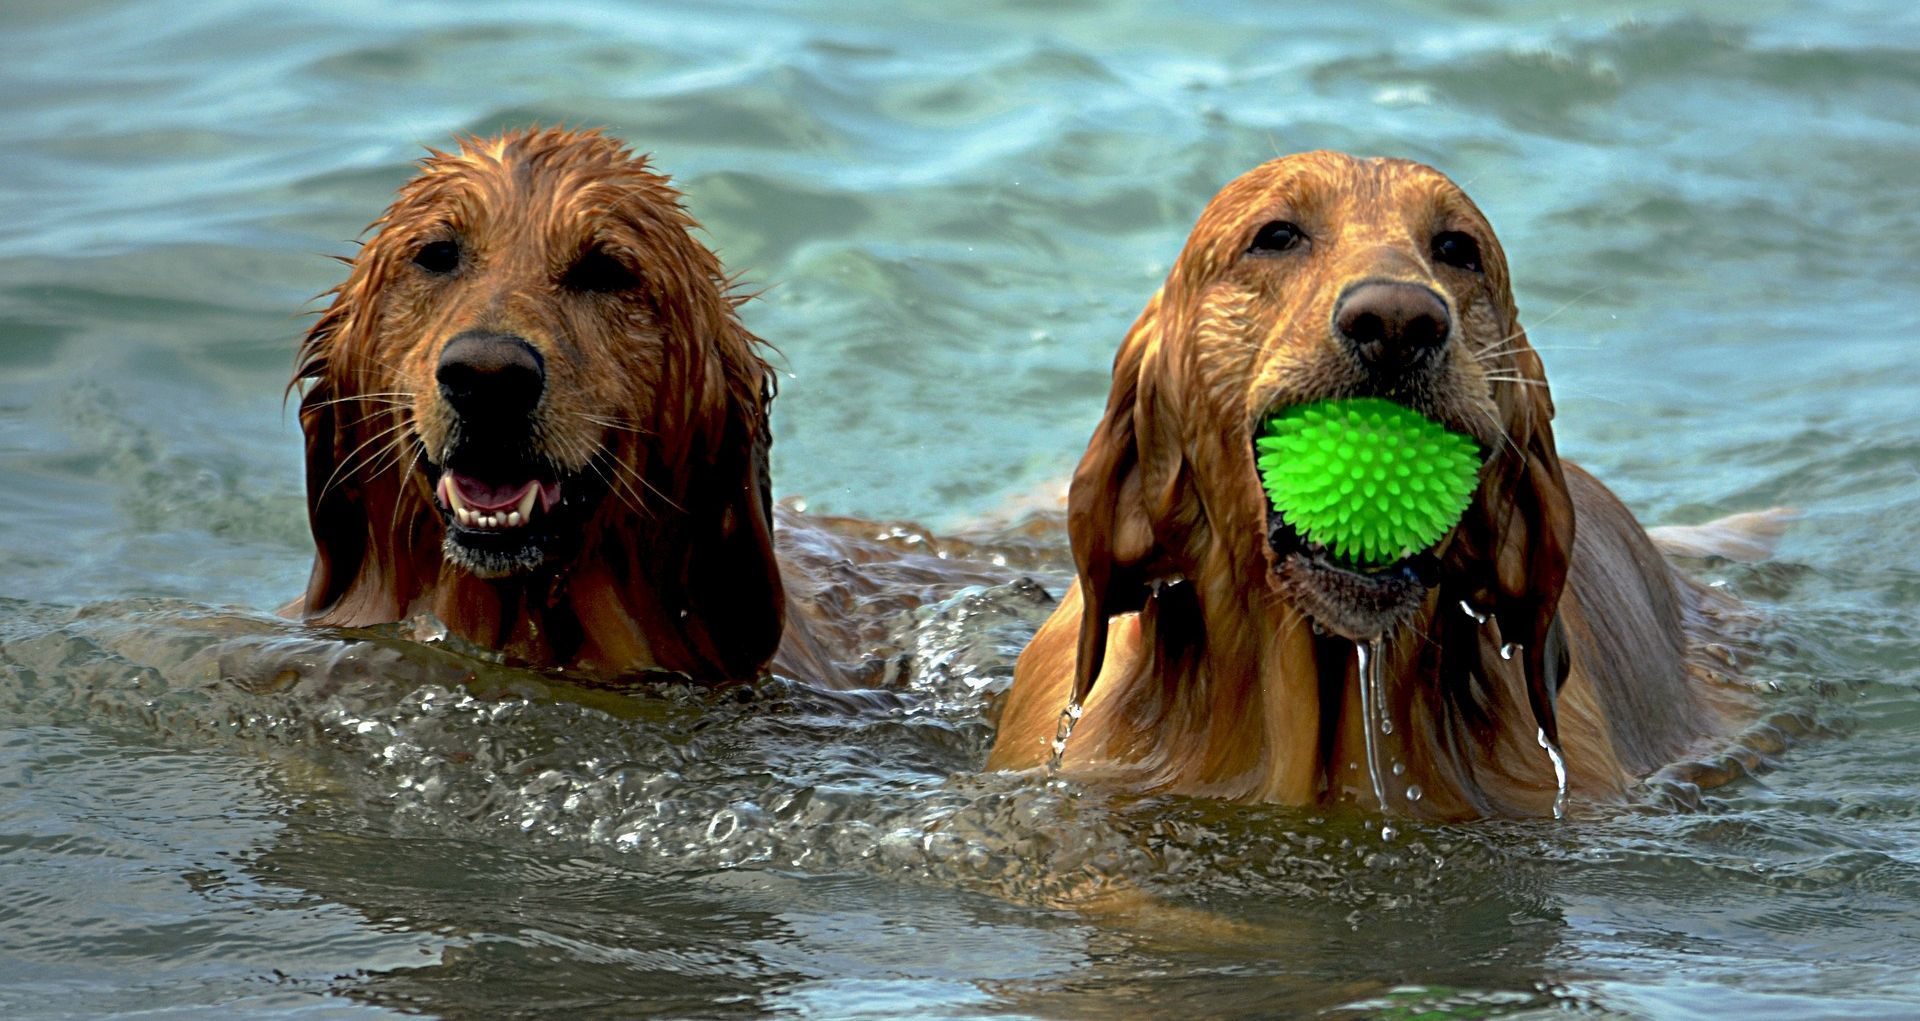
[
  {"x": 1559, "y": 773},
  {"x": 1507, "y": 652},
  {"x": 1371, "y": 709},
  {"x": 1478, "y": 616},
  {"x": 1061, "y": 731}
]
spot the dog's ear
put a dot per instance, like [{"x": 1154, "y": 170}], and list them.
[
  {"x": 1533, "y": 508},
  {"x": 333, "y": 512},
  {"x": 354, "y": 580},
  {"x": 719, "y": 578},
  {"x": 735, "y": 604},
  {"x": 1126, "y": 482},
  {"x": 1519, "y": 529}
]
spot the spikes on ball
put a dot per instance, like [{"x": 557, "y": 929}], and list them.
[{"x": 1372, "y": 480}]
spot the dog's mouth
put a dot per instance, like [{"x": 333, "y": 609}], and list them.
[
  {"x": 1359, "y": 599},
  {"x": 1354, "y": 600},
  {"x": 477, "y": 505},
  {"x": 509, "y": 519}
]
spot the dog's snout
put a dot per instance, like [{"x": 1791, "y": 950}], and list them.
[
  {"x": 485, "y": 374},
  {"x": 1392, "y": 326}
]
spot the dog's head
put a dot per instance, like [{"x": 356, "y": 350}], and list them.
[
  {"x": 534, "y": 365},
  {"x": 1314, "y": 277}
]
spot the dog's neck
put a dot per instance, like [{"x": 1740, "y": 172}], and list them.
[
  {"x": 580, "y": 620},
  {"x": 599, "y": 612},
  {"x": 1265, "y": 709}
]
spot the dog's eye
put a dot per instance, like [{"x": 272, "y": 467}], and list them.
[
  {"x": 438, "y": 256},
  {"x": 600, "y": 273},
  {"x": 1457, "y": 249},
  {"x": 1276, "y": 237}
]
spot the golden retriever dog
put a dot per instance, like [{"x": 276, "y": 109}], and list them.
[
  {"x": 531, "y": 411},
  {"x": 1220, "y": 654}
]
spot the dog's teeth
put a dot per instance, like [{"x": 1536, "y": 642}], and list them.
[
  {"x": 451, "y": 494},
  {"x": 524, "y": 512},
  {"x": 514, "y": 519}
]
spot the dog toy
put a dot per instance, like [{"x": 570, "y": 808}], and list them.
[{"x": 1372, "y": 480}]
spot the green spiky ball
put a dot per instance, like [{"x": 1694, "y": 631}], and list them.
[{"x": 1370, "y": 479}]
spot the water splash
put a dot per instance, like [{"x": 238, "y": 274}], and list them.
[
  {"x": 1371, "y": 708},
  {"x": 1559, "y": 772},
  {"x": 1061, "y": 732}
]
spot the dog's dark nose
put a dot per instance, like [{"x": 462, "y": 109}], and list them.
[
  {"x": 1392, "y": 327},
  {"x": 490, "y": 375}
]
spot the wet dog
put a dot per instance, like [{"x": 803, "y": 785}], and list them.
[
  {"x": 1219, "y": 649},
  {"x": 531, "y": 411}
]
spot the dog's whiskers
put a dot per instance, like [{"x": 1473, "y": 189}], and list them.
[
  {"x": 655, "y": 490},
  {"x": 610, "y": 423},
  {"x": 386, "y": 398},
  {"x": 1501, "y": 346},
  {"x": 341, "y": 470},
  {"x": 1499, "y": 429},
  {"x": 393, "y": 527},
  {"x": 364, "y": 370},
  {"x": 388, "y": 456},
  {"x": 621, "y": 491}
]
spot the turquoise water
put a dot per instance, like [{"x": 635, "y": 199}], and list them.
[{"x": 954, "y": 211}]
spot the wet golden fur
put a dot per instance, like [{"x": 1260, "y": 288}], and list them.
[
  {"x": 655, "y": 393},
  {"x": 1210, "y": 679}
]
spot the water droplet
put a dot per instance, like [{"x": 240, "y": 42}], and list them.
[
  {"x": 1399, "y": 768},
  {"x": 1386, "y": 831},
  {"x": 1478, "y": 616},
  {"x": 1414, "y": 793},
  {"x": 1507, "y": 650}
]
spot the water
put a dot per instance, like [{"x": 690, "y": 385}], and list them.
[
  {"x": 1373, "y": 709},
  {"x": 953, "y": 213},
  {"x": 1559, "y": 771},
  {"x": 1062, "y": 733}
]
